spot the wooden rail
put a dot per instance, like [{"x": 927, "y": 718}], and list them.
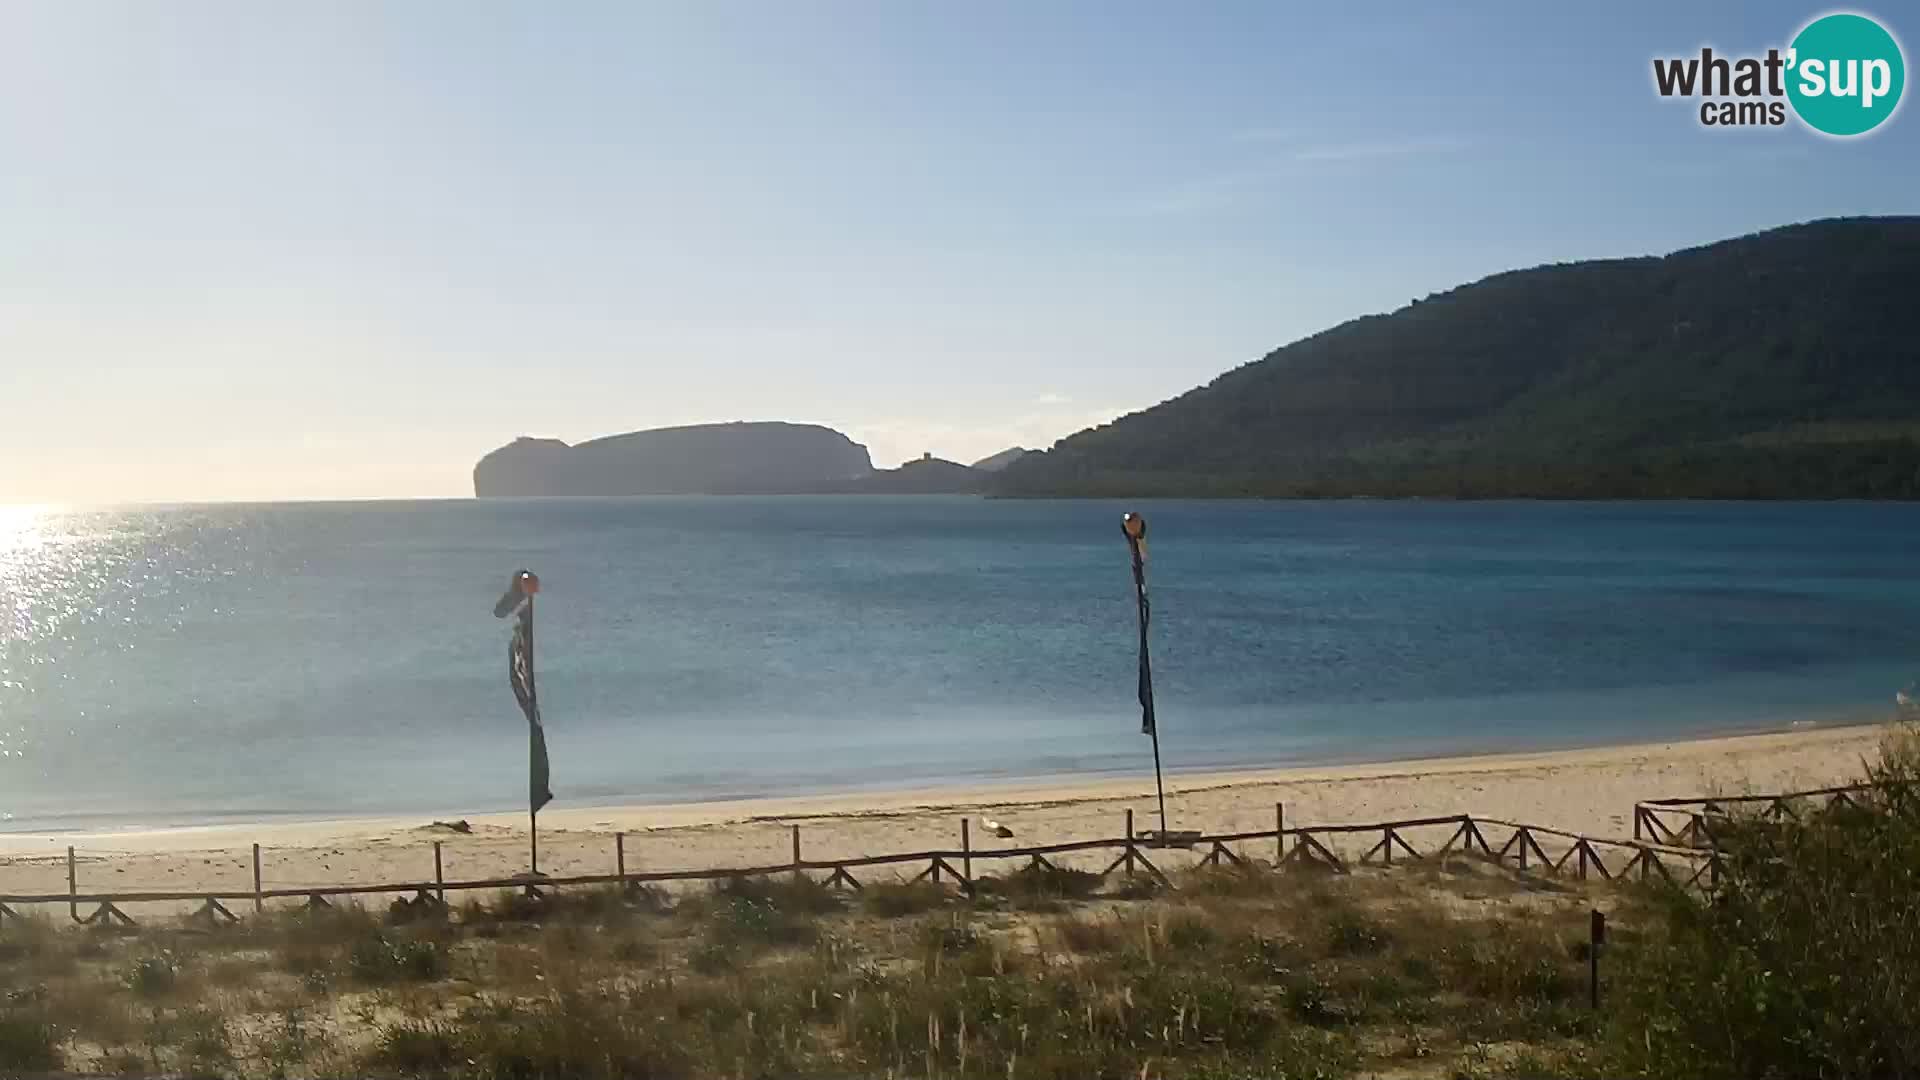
[
  {"x": 1648, "y": 859},
  {"x": 1654, "y": 819},
  {"x": 1522, "y": 850}
]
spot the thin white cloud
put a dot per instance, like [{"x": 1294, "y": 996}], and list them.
[
  {"x": 1202, "y": 194},
  {"x": 1051, "y": 398},
  {"x": 1265, "y": 135},
  {"x": 1232, "y": 187},
  {"x": 1406, "y": 146}
]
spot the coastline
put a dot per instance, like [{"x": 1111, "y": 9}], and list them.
[
  {"x": 970, "y": 791},
  {"x": 1589, "y": 790}
]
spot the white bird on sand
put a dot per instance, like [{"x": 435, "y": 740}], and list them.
[{"x": 996, "y": 828}]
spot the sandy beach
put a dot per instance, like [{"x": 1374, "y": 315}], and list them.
[{"x": 1591, "y": 791}]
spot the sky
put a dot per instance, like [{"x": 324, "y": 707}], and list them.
[{"x": 340, "y": 250}]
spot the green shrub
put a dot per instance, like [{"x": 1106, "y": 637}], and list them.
[
  {"x": 571, "y": 1037},
  {"x": 1265, "y": 959},
  {"x": 1040, "y": 886},
  {"x": 1188, "y": 929},
  {"x": 202, "y": 1037},
  {"x": 783, "y": 893},
  {"x": 1230, "y": 879},
  {"x": 28, "y": 1044},
  {"x": 714, "y": 957},
  {"x": 746, "y": 921},
  {"x": 378, "y": 959},
  {"x": 953, "y": 937},
  {"x": 1806, "y": 962},
  {"x": 1313, "y": 1001},
  {"x": 1088, "y": 936},
  {"x": 153, "y": 976},
  {"x": 601, "y": 904},
  {"x": 1353, "y": 933}
]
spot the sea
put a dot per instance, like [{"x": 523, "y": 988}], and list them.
[{"x": 165, "y": 666}]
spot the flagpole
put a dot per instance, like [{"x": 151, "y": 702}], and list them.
[
  {"x": 517, "y": 604},
  {"x": 1134, "y": 527},
  {"x": 533, "y": 808}
]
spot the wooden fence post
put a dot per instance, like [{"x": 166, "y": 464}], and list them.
[
  {"x": 966, "y": 854},
  {"x": 1597, "y": 936},
  {"x": 796, "y": 851},
  {"x": 258, "y": 903},
  {"x": 73, "y": 889},
  {"x": 620, "y": 856},
  {"x": 1279, "y": 834},
  {"x": 1129, "y": 847},
  {"x": 439, "y": 876}
]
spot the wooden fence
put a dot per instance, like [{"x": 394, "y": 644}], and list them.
[
  {"x": 1290, "y": 847},
  {"x": 1690, "y": 822}
]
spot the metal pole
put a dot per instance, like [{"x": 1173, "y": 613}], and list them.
[
  {"x": 1159, "y": 788},
  {"x": 533, "y": 812},
  {"x": 257, "y": 902}
]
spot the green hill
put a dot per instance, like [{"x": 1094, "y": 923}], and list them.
[{"x": 1780, "y": 365}]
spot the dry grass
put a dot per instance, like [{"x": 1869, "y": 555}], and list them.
[{"x": 1044, "y": 973}]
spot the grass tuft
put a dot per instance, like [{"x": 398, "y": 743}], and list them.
[
  {"x": 378, "y": 960},
  {"x": 894, "y": 899},
  {"x": 1038, "y": 887}
]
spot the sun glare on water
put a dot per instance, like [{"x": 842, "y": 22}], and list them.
[{"x": 21, "y": 530}]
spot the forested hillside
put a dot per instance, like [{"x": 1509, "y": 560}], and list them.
[{"x": 1780, "y": 365}]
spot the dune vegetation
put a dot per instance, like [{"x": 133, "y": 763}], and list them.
[{"x": 1805, "y": 962}]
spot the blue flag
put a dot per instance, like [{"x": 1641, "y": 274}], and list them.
[{"x": 517, "y": 604}]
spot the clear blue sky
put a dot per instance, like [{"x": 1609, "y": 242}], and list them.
[{"x": 342, "y": 249}]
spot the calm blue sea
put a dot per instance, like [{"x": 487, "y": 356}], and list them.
[{"x": 166, "y": 666}]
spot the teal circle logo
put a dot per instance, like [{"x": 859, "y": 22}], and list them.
[{"x": 1845, "y": 75}]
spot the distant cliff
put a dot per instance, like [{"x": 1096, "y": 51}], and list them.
[
  {"x": 995, "y": 462},
  {"x": 927, "y": 476},
  {"x": 701, "y": 459}
]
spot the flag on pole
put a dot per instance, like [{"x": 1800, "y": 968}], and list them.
[
  {"x": 517, "y": 604},
  {"x": 1146, "y": 671},
  {"x": 1135, "y": 528}
]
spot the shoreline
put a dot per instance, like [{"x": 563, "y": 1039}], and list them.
[
  {"x": 1589, "y": 791},
  {"x": 1035, "y": 792}
]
